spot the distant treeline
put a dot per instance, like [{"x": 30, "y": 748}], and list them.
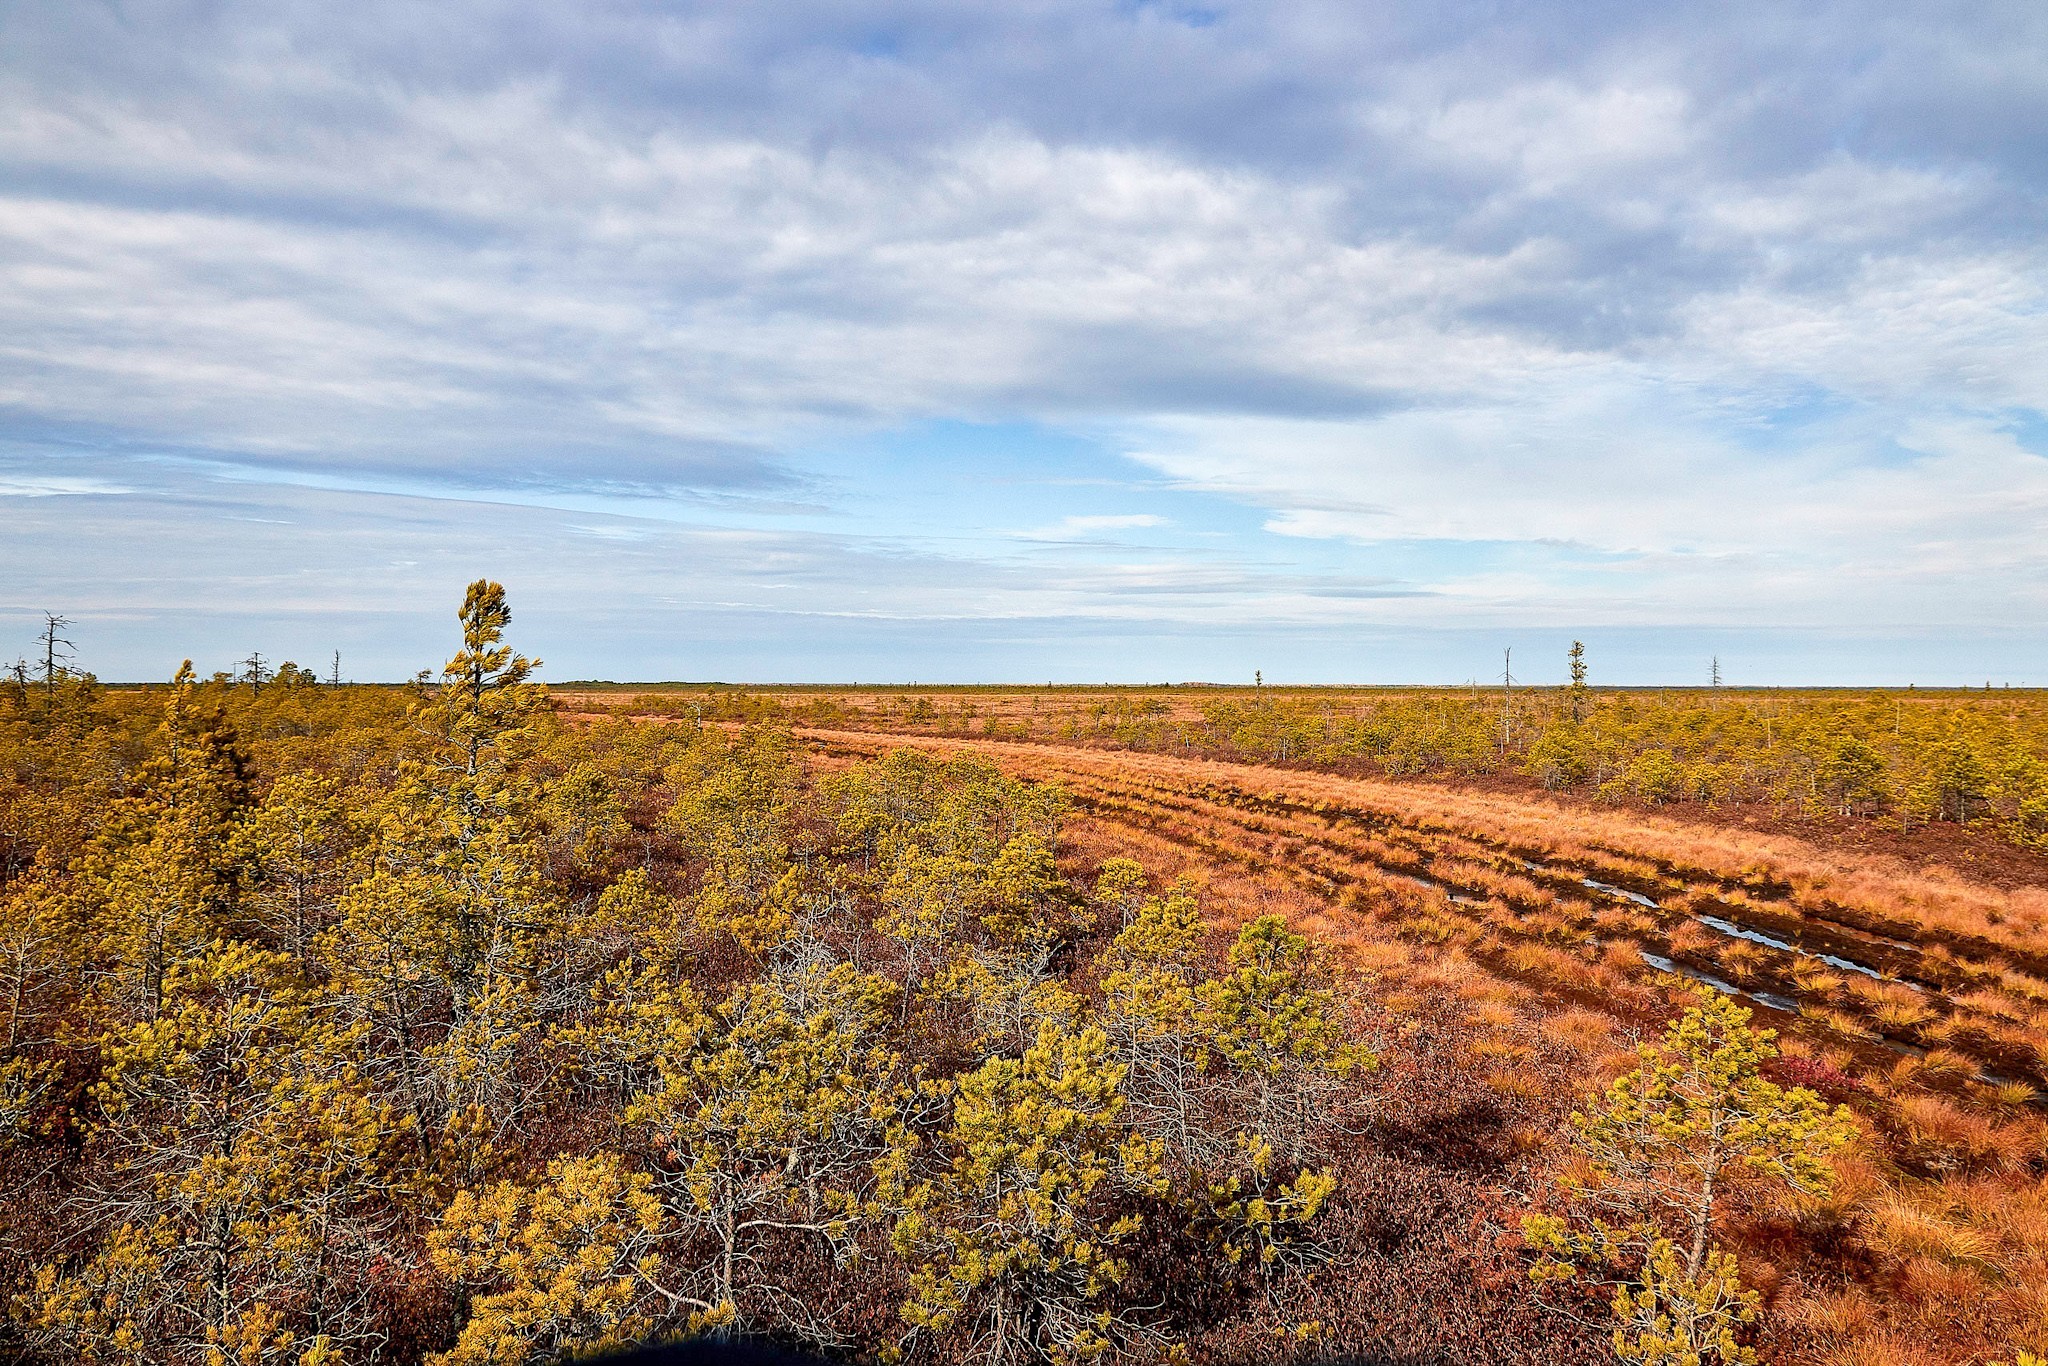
[{"x": 1963, "y": 757}]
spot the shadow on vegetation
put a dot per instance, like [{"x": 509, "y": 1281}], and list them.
[
  {"x": 703, "y": 1352},
  {"x": 711, "y": 1352},
  {"x": 1465, "y": 1139}
]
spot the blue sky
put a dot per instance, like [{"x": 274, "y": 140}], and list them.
[{"x": 1044, "y": 340}]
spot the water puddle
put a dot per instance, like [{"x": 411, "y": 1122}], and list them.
[
  {"x": 1729, "y": 927},
  {"x": 1791, "y": 1007},
  {"x": 1592, "y": 883},
  {"x": 1735, "y": 931},
  {"x": 1861, "y": 935},
  {"x": 1718, "y": 924},
  {"x": 1738, "y": 931},
  {"x": 1766, "y": 998},
  {"x": 1621, "y": 892}
]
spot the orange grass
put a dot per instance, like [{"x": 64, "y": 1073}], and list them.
[{"x": 1939, "y": 1223}]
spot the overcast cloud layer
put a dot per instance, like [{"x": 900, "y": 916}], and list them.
[{"x": 1133, "y": 341}]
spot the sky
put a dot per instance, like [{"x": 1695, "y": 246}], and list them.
[{"x": 1035, "y": 341}]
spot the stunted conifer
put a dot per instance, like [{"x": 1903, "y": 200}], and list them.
[
  {"x": 223, "y": 1231},
  {"x": 1119, "y": 889},
  {"x": 1016, "y": 1247},
  {"x": 765, "y": 1130},
  {"x": 1279, "y": 1029},
  {"x": 1149, "y": 1011},
  {"x": 735, "y": 808},
  {"x": 159, "y": 880},
  {"x": 925, "y": 905},
  {"x": 1692, "y": 1129},
  {"x": 1233, "y": 1076},
  {"x": 571, "y": 1263},
  {"x": 442, "y": 945},
  {"x": 1023, "y": 899},
  {"x": 297, "y": 850}
]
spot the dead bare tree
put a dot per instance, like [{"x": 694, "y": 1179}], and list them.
[{"x": 56, "y": 653}]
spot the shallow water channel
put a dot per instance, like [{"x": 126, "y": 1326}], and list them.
[
  {"x": 1736, "y": 930},
  {"x": 1729, "y": 927},
  {"x": 1767, "y": 998},
  {"x": 1720, "y": 925},
  {"x": 1732, "y": 929}
]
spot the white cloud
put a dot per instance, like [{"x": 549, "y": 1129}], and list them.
[
  {"x": 1640, "y": 322},
  {"x": 56, "y": 486},
  {"x": 1117, "y": 522},
  {"x": 1551, "y": 135},
  {"x": 1639, "y": 520}
]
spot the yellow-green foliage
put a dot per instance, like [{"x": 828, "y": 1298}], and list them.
[
  {"x": 571, "y": 1262},
  {"x": 1009, "y": 1238},
  {"x": 1677, "y": 1317},
  {"x": 352, "y": 1024},
  {"x": 1673, "y": 1143},
  {"x": 1912, "y": 756}
]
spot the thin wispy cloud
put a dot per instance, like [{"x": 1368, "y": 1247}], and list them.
[
  {"x": 56, "y": 486},
  {"x": 1437, "y": 317},
  {"x": 1112, "y": 522},
  {"x": 1084, "y": 525}
]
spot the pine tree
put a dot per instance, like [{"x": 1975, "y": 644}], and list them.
[
  {"x": 766, "y": 1130},
  {"x": 1119, "y": 890},
  {"x": 224, "y": 1233},
  {"x": 442, "y": 944},
  {"x": 735, "y": 808},
  {"x": 572, "y": 1263},
  {"x": 1016, "y": 1245},
  {"x": 1149, "y": 1011},
  {"x": 1274, "y": 1020},
  {"x": 483, "y": 694},
  {"x": 159, "y": 880},
  {"x": 296, "y": 851},
  {"x": 1693, "y": 1128},
  {"x": 925, "y": 904}
]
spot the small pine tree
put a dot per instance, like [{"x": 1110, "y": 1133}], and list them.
[
  {"x": 1662, "y": 1153},
  {"x": 1276, "y": 1025},
  {"x": 1018, "y": 1244},
  {"x": 572, "y": 1262},
  {"x": 481, "y": 684}
]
